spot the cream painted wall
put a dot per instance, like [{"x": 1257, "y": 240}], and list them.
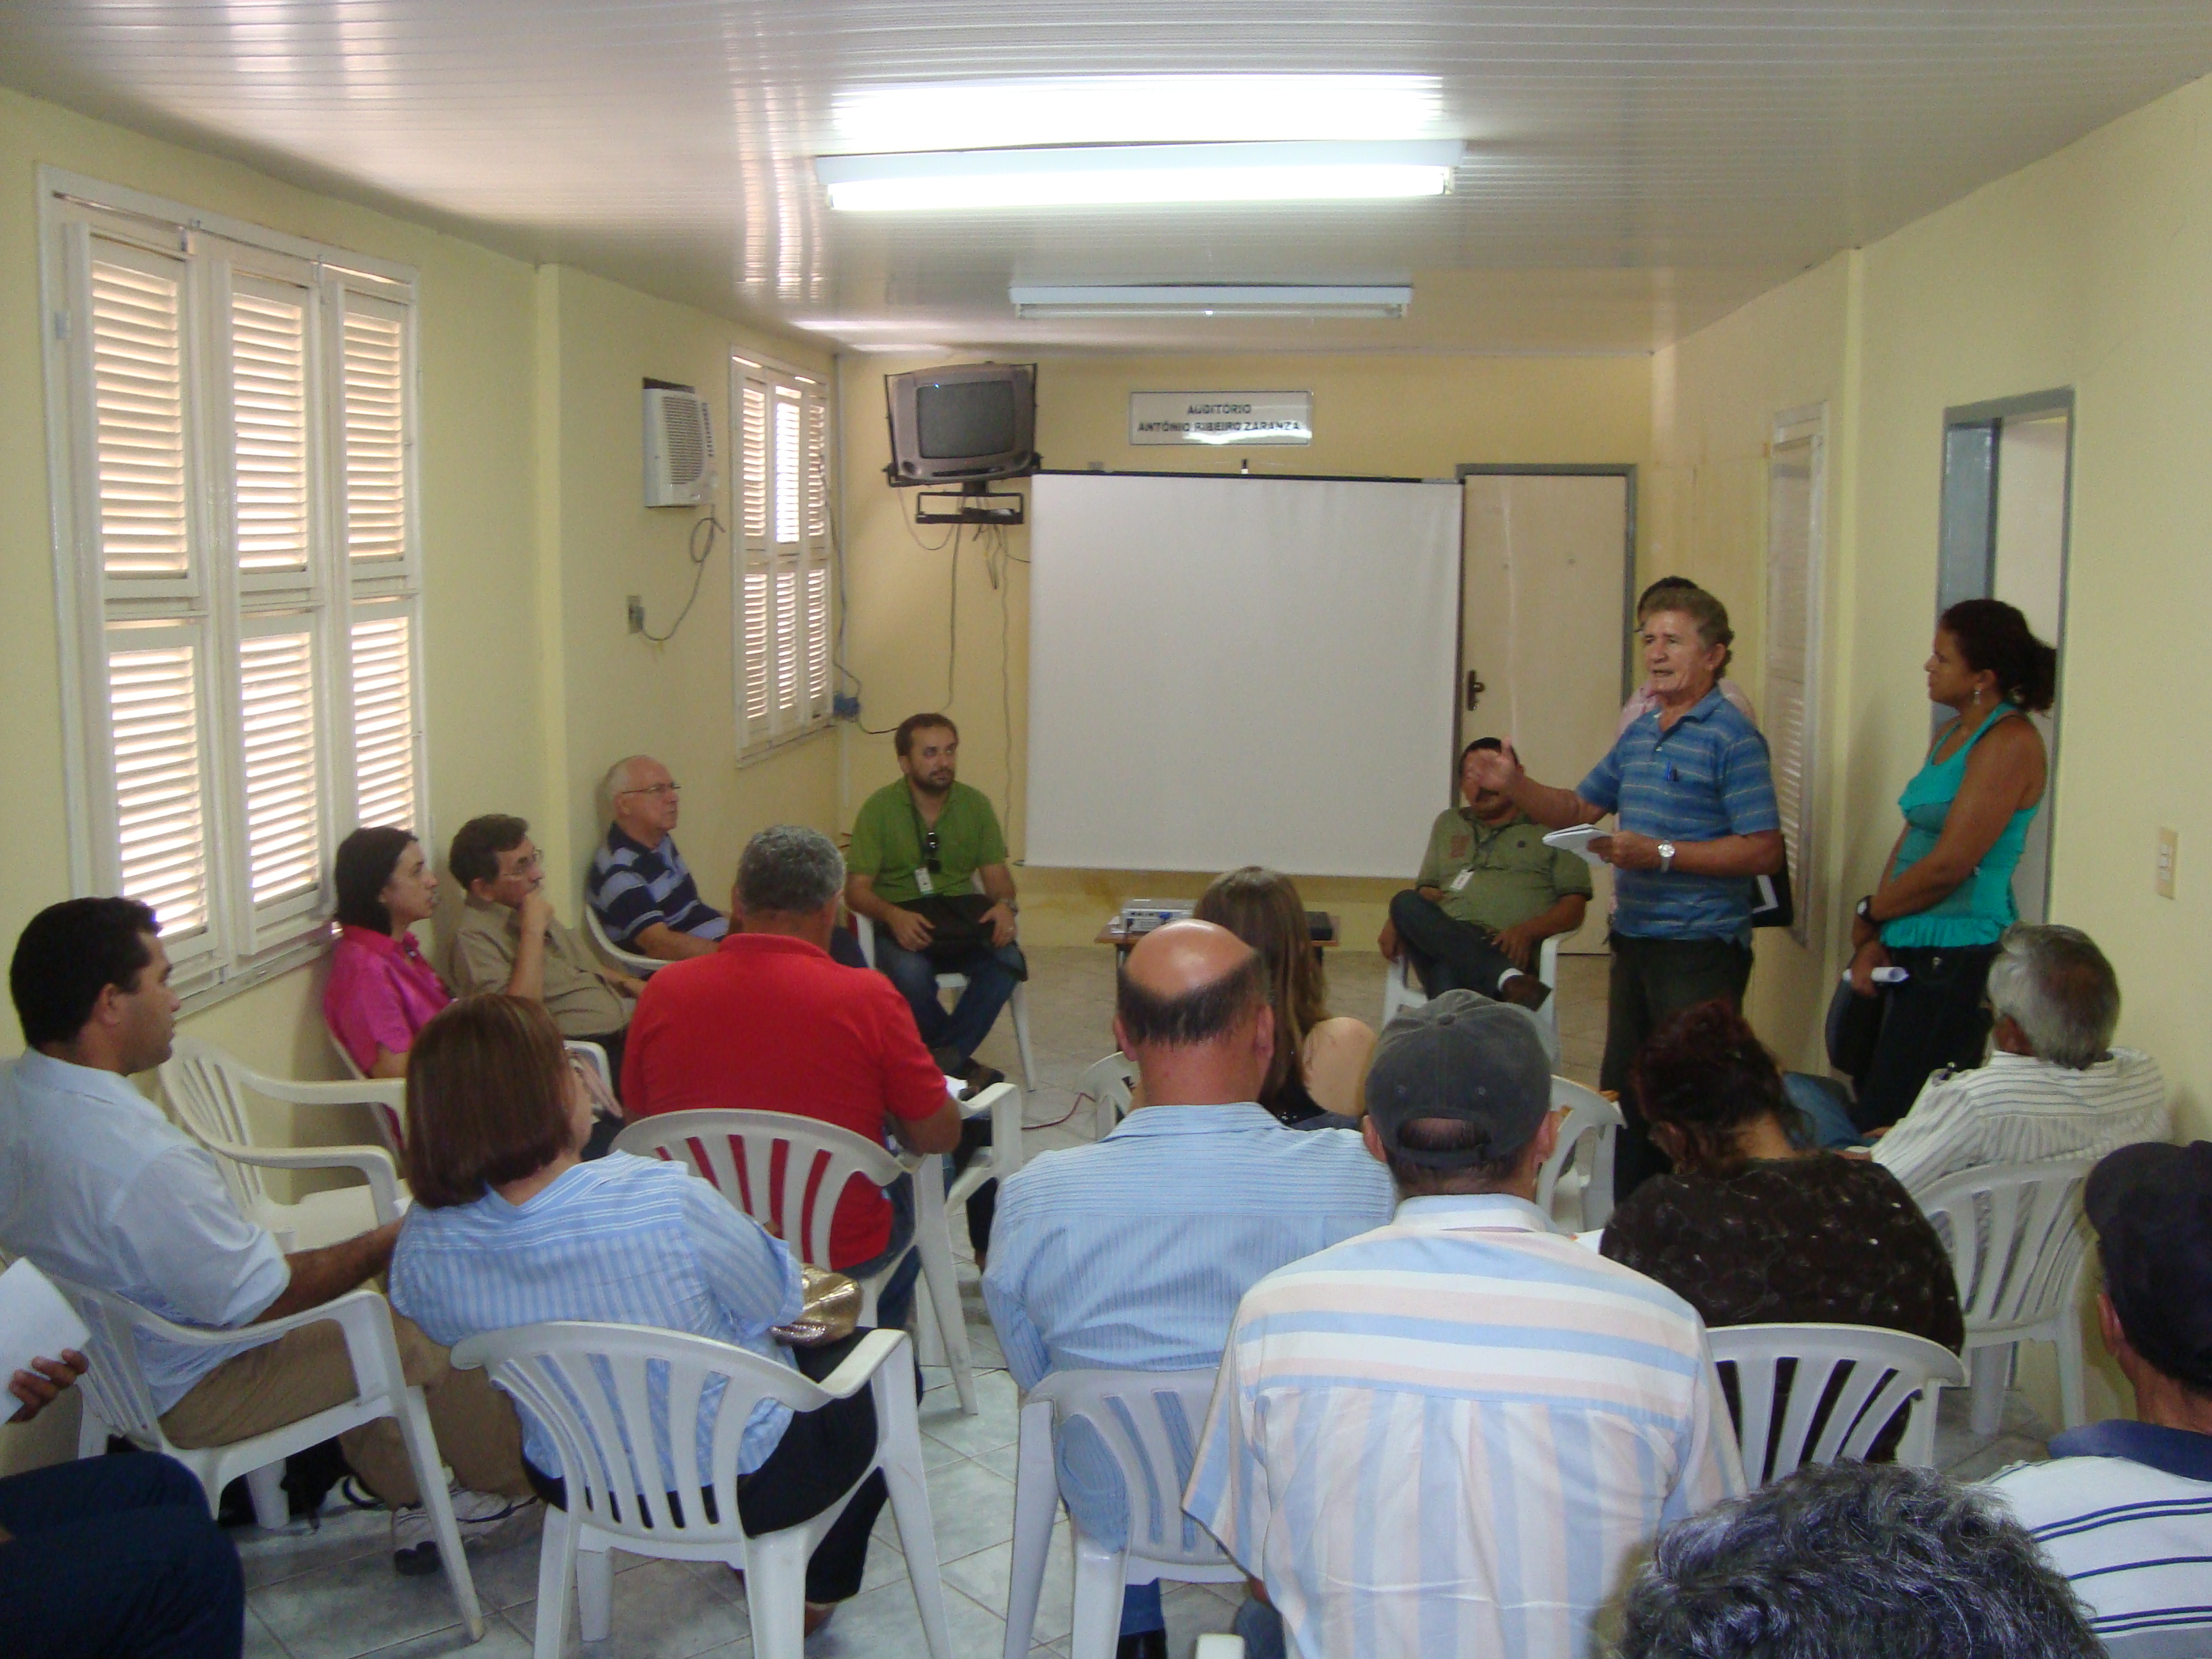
[
  {"x": 1393, "y": 416},
  {"x": 621, "y": 692}
]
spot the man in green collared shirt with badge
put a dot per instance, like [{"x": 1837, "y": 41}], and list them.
[
  {"x": 919, "y": 847},
  {"x": 1488, "y": 895}
]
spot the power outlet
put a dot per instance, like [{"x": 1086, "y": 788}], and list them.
[
  {"x": 2169, "y": 855},
  {"x": 636, "y": 614}
]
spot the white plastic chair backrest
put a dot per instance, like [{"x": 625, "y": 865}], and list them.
[
  {"x": 2016, "y": 1238},
  {"x": 207, "y": 1088},
  {"x": 114, "y": 1385},
  {"x": 1109, "y": 1083},
  {"x": 1149, "y": 1422},
  {"x": 594, "y": 1388},
  {"x": 785, "y": 1171},
  {"x": 1886, "y": 1370},
  {"x": 634, "y": 963},
  {"x": 1590, "y": 1117}
]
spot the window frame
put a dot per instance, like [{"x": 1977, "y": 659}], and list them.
[
  {"x": 213, "y": 602},
  {"x": 813, "y": 557},
  {"x": 1808, "y": 426}
]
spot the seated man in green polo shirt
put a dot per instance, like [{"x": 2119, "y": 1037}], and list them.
[
  {"x": 1489, "y": 894},
  {"x": 919, "y": 846}
]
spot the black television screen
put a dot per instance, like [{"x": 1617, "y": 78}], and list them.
[{"x": 967, "y": 417}]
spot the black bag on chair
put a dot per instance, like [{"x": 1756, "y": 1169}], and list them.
[{"x": 957, "y": 927}]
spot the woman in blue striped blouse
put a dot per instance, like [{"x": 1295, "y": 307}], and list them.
[{"x": 511, "y": 1227}]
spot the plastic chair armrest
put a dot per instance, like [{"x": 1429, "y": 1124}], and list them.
[
  {"x": 859, "y": 1367},
  {"x": 373, "y": 1164},
  {"x": 1005, "y": 1103}
]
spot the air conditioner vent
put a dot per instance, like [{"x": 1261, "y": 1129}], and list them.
[{"x": 679, "y": 448}]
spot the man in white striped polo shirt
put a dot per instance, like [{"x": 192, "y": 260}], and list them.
[
  {"x": 1455, "y": 1434},
  {"x": 2054, "y": 1088},
  {"x": 2125, "y": 1509}
]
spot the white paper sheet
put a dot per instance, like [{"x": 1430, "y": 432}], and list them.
[{"x": 35, "y": 1322}]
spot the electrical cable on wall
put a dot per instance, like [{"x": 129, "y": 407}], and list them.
[{"x": 698, "y": 556}]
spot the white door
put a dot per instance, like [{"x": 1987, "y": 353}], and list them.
[
  {"x": 1543, "y": 592},
  {"x": 2028, "y": 569}
]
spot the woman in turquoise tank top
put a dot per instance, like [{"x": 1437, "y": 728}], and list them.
[{"x": 1945, "y": 895}]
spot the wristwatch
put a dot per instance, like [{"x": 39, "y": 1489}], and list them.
[
  {"x": 1665, "y": 857},
  {"x": 1864, "y": 908}
]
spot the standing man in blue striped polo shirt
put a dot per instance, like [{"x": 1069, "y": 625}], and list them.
[{"x": 1695, "y": 794}]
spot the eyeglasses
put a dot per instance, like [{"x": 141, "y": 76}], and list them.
[
  {"x": 524, "y": 866},
  {"x": 929, "y": 851},
  {"x": 656, "y": 790}
]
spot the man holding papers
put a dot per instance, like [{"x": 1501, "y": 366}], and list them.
[
  {"x": 1696, "y": 824},
  {"x": 1488, "y": 895}
]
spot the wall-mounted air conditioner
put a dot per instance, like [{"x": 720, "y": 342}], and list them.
[{"x": 679, "y": 447}]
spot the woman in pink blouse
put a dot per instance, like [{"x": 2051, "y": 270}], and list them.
[{"x": 382, "y": 991}]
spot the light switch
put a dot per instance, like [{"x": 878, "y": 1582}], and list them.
[{"x": 2169, "y": 854}]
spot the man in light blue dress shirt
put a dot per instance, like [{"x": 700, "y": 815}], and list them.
[{"x": 1132, "y": 1254}]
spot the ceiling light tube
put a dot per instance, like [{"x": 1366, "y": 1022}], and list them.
[
  {"x": 1210, "y": 300},
  {"x": 1105, "y": 175}
]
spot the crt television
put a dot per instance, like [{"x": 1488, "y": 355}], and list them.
[{"x": 973, "y": 421}]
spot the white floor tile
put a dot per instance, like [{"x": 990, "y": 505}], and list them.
[
  {"x": 357, "y": 1606},
  {"x": 662, "y": 1610},
  {"x": 884, "y": 1624},
  {"x": 986, "y": 1574}
]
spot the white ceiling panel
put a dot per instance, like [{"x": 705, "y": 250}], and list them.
[{"x": 1633, "y": 171}]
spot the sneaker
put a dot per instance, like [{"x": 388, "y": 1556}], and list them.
[{"x": 487, "y": 1521}]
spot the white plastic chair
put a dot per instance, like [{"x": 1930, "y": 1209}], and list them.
[
  {"x": 1001, "y": 1158},
  {"x": 117, "y": 1401},
  {"x": 208, "y": 1089},
  {"x": 1401, "y": 990},
  {"x": 633, "y": 963},
  {"x": 2018, "y": 1244},
  {"x": 592, "y": 1387},
  {"x": 1887, "y": 1371},
  {"x": 1110, "y": 1083},
  {"x": 1593, "y": 1120},
  {"x": 1132, "y": 1413},
  {"x": 738, "y": 1152},
  {"x": 1017, "y": 1006}
]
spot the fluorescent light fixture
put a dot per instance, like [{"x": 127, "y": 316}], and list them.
[
  {"x": 1113, "y": 174},
  {"x": 1138, "y": 109},
  {"x": 1210, "y": 300}
]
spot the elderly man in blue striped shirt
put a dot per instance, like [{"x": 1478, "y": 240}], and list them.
[
  {"x": 1131, "y": 1254},
  {"x": 1454, "y": 1435},
  {"x": 1694, "y": 790}
]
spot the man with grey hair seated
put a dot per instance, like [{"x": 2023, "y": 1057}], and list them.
[
  {"x": 769, "y": 1023},
  {"x": 2054, "y": 1088},
  {"x": 639, "y": 886},
  {"x": 1852, "y": 1561}
]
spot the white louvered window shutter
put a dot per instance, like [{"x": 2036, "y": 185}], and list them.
[
  {"x": 158, "y": 776},
  {"x": 279, "y": 771},
  {"x": 1788, "y": 706},
  {"x": 269, "y": 325},
  {"x": 373, "y": 436},
  {"x": 138, "y": 418},
  {"x": 384, "y": 730},
  {"x": 244, "y": 632},
  {"x": 783, "y": 592}
]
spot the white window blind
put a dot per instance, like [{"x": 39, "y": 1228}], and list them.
[
  {"x": 782, "y": 593},
  {"x": 244, "y": 632},
  {"x": 1790, "y": 700}
]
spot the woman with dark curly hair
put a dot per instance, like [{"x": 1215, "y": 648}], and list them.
[
  {"x": 1750, "y": 1230},
  {"x": 1945, "y": 893}
]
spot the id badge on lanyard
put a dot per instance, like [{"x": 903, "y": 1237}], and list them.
[
  {"x": 1460, "y": 881},
  {"x": 924, "y": 880}
]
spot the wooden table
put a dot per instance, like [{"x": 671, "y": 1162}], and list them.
[{"x": 1125, "y": 943}]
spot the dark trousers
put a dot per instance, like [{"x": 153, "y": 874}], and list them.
[
  {"x": 894, "y": 1301},
  {"x": 821, "y": 1454},
  {"x": 116, "y": 1558},
  {"x": 1652, "y": 980},
  {"x": 1939, "y": 1017},
  {"x": 992, "y": 976},
  {"x": 1447, "y": 955}
]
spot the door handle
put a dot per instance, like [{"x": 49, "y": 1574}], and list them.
[{"x": 1475, "y": 688}]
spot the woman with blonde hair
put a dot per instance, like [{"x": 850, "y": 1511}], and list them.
[{"x": 1321, "y": 1060}]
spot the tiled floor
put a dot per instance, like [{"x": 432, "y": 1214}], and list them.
[{"x": 331, "y": 1594}]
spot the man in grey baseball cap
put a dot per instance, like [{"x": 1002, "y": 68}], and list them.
[
  {"x": 1467, "y": 1350},
  {"x": 1459, "y": 1098}
]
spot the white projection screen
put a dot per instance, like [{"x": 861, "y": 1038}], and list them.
[{"x": 1228, "y": 671}]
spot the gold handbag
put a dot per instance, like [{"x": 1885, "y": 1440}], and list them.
[{"x": 832, "y": 1310}]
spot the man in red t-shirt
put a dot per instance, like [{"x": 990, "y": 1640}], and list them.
[{"x": 769, "y": 1023}]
